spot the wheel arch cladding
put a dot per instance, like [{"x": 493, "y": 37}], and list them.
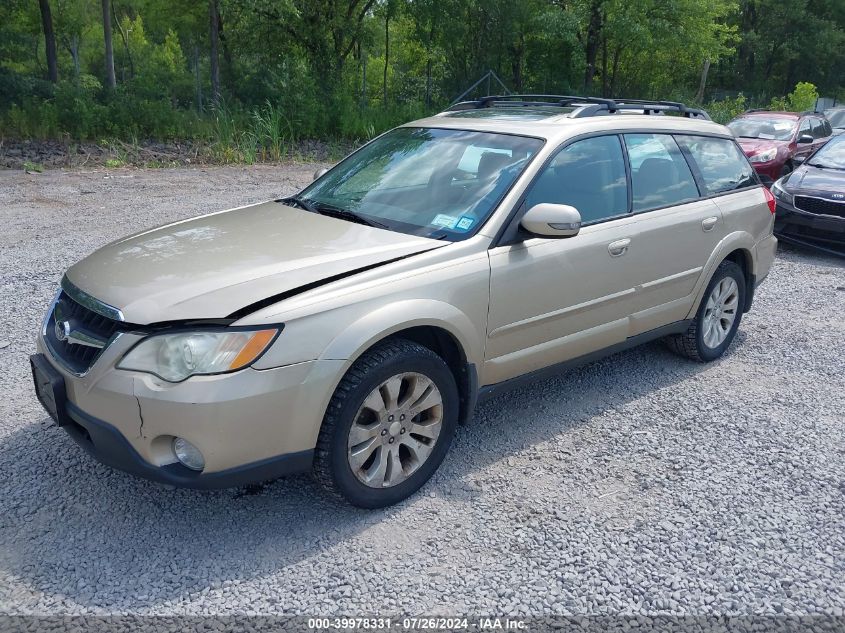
[
  {"x": 437, "y": 334},
  {"x": 737, "y": 247}
]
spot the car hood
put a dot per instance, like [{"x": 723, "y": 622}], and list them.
[
  {"x": 216, "y": 265},
  {"x": 753, "y": 146},
  {"x": 813, "y": 179}
]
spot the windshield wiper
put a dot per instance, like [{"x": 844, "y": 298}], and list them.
[
  {"x": 345, "y": 214},
  {"x": 302, "y": 203}
]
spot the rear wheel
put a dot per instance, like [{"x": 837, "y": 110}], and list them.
[
  {"x": 718, "y": 317},
  {"x": 388, "y": 426}
]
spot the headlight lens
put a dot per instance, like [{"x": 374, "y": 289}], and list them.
[
  {"x": 175, "y": 357},
  {"x": 780, "y": 193},
  {"x": 764, "y": 156}
]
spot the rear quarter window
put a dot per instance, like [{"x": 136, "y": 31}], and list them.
[{"x": 720, "y": 163}]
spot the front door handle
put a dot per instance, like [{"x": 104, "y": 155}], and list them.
[
  {"x": 619, "y": 247},
  {"x": 707, "y": 224}
]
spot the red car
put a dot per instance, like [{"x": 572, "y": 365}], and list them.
[{"x": 776, "y": 142}]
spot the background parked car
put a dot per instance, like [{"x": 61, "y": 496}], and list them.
[
  {"x": 776, "y": 142},
  {"x": 811, "y": 200},
  {"x": 836, "y": 117}
]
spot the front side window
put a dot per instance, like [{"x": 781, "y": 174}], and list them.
[
  {"x": 722, "y": 165},
  {"x": 588, "y": 175},
  {"x": 424, "y": 181},
  {"x": 764, "y": 127},
  {"x": 660, "y": 175},
  {"x": 805, "y": 128},
  {"x": 818, "y": 129}
]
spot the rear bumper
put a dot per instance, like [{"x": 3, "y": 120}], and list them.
[
  {"x": 108, "y": 446},
  {"x": 826, "y": 233}
]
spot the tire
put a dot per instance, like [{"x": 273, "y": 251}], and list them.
[
  {"x": 372, "y": 377},
  {"x": 697, "y": 343},
  {"x": 786, "y": 169}
]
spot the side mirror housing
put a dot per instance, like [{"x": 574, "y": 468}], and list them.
[
  {"x": 552, "y": 220},
  {"x": 805, "y": 138},
  {"x": 319, "y": 173}
]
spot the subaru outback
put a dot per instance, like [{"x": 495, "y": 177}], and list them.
[{"x": 348, "y": 329}]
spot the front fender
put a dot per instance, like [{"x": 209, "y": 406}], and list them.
[
  {"x": 738, "y": 240},
  {"x": 365, "y": 332}
]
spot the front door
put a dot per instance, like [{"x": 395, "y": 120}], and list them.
[{"x": 556, "y": 299}]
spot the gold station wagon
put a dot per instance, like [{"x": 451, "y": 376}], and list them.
[{"x": 348, "y": 329}]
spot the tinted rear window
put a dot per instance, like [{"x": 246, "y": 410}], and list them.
[{"x": 721, "y": 164}]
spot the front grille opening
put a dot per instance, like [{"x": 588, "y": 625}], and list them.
[
  {"x": 76, "y": 357},
  {"x": 820, "y": 206}
]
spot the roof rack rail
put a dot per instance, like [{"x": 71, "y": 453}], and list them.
[{"x": 584, "y": 106}]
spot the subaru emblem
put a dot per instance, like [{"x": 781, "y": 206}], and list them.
[{"x": 62, "y": 330}]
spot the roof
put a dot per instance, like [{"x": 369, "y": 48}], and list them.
[{"x": 557, "y": 124}]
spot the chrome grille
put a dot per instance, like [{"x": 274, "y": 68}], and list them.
[
  {"x": 820, "y": 206},
  {"x": 76, "y": 335}
]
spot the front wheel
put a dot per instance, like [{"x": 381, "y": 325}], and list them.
[
  {"x": 718, "y": 317},
  {"x": 388, "y": 426}
]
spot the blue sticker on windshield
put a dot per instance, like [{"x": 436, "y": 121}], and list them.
[
  {"x": 446, "y": 221},
  {"x": 465, "y": 223}
]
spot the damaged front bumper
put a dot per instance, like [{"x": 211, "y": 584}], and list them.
[{"x": 251, "y": 425}]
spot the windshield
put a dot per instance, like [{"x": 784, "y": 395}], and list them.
[
  {"x": 836, "y": 117},
  {"x": 769, "y": 128},
  {"x": 425, "y": 181},
  {"x": 831, "y": 155}
]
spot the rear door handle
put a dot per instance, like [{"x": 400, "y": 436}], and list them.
[
  {"x": 707, "y": 224},
  {"x": 619, "y": 247}
]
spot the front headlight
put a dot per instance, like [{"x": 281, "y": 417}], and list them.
[
  {"x": 765, "y": 156},
  {"x": 175, "y": 357},
  {"x": 781, "y": 194}
]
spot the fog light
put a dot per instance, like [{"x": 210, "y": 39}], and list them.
[{"x": 188, "y": 454}]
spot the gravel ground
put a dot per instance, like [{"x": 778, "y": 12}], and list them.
[{"x": 639, "y": 484}]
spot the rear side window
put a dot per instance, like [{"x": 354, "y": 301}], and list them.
[
  {"x": 723, "y": 167},
  {"x": 827, "y": 129},
  {"x": 660, "y": 175},
  {"x": 589, "y": 175}
]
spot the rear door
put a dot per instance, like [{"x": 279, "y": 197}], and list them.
[
  {"x": 726, "y": 175},
  {"x": 677, "y": 228}
]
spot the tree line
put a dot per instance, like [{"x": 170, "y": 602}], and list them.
[{"x": 173, "y": 68}]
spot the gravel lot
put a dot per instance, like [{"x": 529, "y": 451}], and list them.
[{"x": 639, "y": 484}]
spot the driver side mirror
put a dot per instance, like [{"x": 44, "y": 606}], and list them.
[
  {"x": 805, "y": 138},
  {"x": 552, "y": 220},
  {"x": 319, "y": 173}
]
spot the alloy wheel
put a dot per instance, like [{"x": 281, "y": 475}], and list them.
[
  {"x": 395, "y": 430},
  {"x": 720, "y": 312}
]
